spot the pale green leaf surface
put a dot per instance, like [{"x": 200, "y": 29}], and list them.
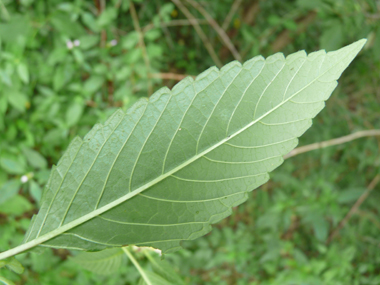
[
  {"x": 12, "y": 166},
  {"x": 23, "y": 72},
  {"x": 15, "y": 205},
  {"x": 13, "y": 264},
  {"x": 154, "y": 279},
  {"x": 168, "y": 168},
  {"x": 34, "y": 158},
  {"x": 9, "y": 189},
  {"x": 103, "y": 262},
  {"x": 164, "y": 269}
]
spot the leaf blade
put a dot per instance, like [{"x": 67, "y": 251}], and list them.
[{"x": 173, "y": 132}]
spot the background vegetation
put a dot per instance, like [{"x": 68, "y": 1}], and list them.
[{"x": 65, "y": 65}]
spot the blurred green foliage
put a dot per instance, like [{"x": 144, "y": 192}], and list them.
[{"x": 66, "y": 65}]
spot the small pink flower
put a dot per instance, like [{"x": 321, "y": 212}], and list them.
[{"x": 69, "y": 44}]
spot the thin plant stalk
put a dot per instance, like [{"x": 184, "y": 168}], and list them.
[
  {"x": 137, "y": 265},
  {"x": 137, "y": 27},
  {"x": 200, "y": 32}
]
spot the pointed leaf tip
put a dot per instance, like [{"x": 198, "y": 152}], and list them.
[
  {"x": 358, "y": 45},
  {"x": 361, "y": 42},
  {"x": 354, "y": 48}
]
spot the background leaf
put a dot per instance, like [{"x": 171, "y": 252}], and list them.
[
  {"x": 154, "y": 279},
  {"x": 16, "y": 205},
  {"x": 12, "y": 165},
  {"x": 9, "y": 189},
  {"x": 14, "y": 265},
  {"x": 164, "y": 269},
  {"x": 23, "y": 72},
  {"x": 104, "y": 262},
  {"x": 34, "y": 158}
]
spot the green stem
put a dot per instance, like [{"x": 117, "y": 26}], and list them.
[
  {"x": 137, "y": 265},
  {"x": 6, "y": 281},
  {"x": 147, "y": 254}
]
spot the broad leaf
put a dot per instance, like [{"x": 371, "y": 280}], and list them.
[
  {"x": 172, "y": 165},
  {"x": 164, "y": 269},
  {"x": 13, "y": 264},
  {"x": 103, "y": 262},
  {"x": 154, "y": 279}
]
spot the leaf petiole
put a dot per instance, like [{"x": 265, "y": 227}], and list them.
[{"x": 137, "y": 265}]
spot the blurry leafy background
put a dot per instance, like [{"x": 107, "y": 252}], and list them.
[{"x": 66, "y": 65}]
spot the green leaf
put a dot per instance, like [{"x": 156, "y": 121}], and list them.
[
  {"x": 320, "y": 227},
  {"x": 62, "y": 76},
  {"x": 12, "y": 166},
  {"x": 9, "y": 189},
  {"x": 152, "y": 35},
  {"x": 3, "y": 105},
  {"x": 17, "y": 99},
  {"x": 3, "y": 178},
  {"x": 61, "y": 21},
  {"x": 154, "y": 279},
  {"x": 350, "y": 195},
  {"x": 93, "y": 84},
  {"x": 130, "y": 40},
  {"x": 106, "y": 17},
  {"x": 35, "y": 191},
  {"x": 104, "y": 262},
  {"x": 5, "y": 78},
  {"x": 23, "y": 72},
  {"x": 17, "y": 205},
  {"x": 89, "y": 20},
  {"x": 168, "y": 168},
  {"x": 34, "y": 158},
  {"x": 78, "y": 55},
  {"x": 164, "y": 269},
  {"x": 14, "y": 265},
  {"x": 73, "y": 113},
  {"x": 333, "y": 36},
  {"x": 88, "y": 41},
  {"x": 57, "y": 55},
  {"x": 18, "y": 27}
]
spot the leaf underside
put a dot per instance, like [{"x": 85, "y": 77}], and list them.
[
  {"x": 103, "y": 262},
  {"x": 171, "y": 166}
]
